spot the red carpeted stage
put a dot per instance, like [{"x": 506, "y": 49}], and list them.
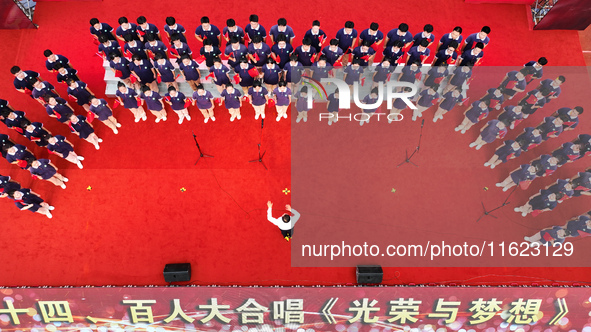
[{"x": 139, "y": 203}]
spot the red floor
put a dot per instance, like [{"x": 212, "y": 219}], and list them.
[{"x": 136, "y": 219}]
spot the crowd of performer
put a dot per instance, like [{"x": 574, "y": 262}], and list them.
[{"x": 264, "y": 69}]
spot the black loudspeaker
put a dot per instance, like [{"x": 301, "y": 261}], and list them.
[
  {"x": 177, "y": 272},
  {"x": 369, "y": 274}
]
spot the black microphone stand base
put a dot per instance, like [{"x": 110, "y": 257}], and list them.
[
  {"x": 407, "y": 160},
  {"x": 260, "y": 159},
  {"x": 201, "y": 154}
]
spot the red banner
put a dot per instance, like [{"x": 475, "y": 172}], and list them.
[{"x": 306, "y": 308}]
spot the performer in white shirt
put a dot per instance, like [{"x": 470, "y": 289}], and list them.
[{"x": 285, "y": 222}]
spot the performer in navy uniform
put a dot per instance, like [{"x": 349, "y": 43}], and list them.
[
  {"x": 425, "y": 35},
  {"x": 154, "y": 46},
  {"x": 449, "y": 101},
  {"x": 104, "y": 113},
  {"x": 282, "y": 98},
  {"x": 364, "y": 53},
  {"x": 26, "y": 199},
  {"x": 544, "y": 201},
  {"x": 53, "y": 59},
  {"x": 472, "y": 57},
  {"x": 20, "y": 156},
  {"x": 209, "y": 52},
  {"x": 548, "y": 236},
  {"x": 545, "y": 165},
  {"x": 347, "y": 38},
  {"x": 271, "y": 73},
  {"x": 220, "y": 72},
  {"x": 258, "y": 97},
  {"x": 550, "y": 128},
  {"x": 133, "y": 46},
  {"x": 126, "y": 28},
  {"x": 120, "y": 67},
  {"x": 64, "y": 74},
  {"x": 419, "y": 53},
  {"x": 58, "y": 108},
  {"x": 97, "y": 28},
  {"x": 61, "y": 147},
  {"x": 477, "y": 112},
  {"x": 332, "y": 107},
  {"x": 42, "y": 91},
  {"x": 583, "y": 140},
  {"x": 529, "y": 139},
  {"x": 582, "y": 183},
  {"x": 550, "y": 89},
  {"x": 525, "y": 172},
  {"x": 537, "y": 69},
  {"x": 447, "y": 39},
  {"x": 107, "y": 47},
  {"x": 165, "y": 70},
  {"x": 281, "y": 51},
  {"x": 242, "y": 70},
  {"x": 258, "y": 52},
  {"x": 495, "y": 97},
  {"x": 427, "y": 98},
  {"x": 144, "y": 72},
  {"x": 353, "y": 73},
  {"x": 7, "y": 186},
  {"x": 316, "y": 35},
  {"x": 23, "y": 80},
  {"x": 154, "y": 103},
  {"x": 401, "y": 34},
  {"x": 233, "y": 102},
  {"x": 232, "y": 30},
  {"x": 563, "y": 190},
  {"x": 479, "y": 37},
  {"x": 254, "y": 29},
  {"x": 37, "y": 133},
  {"x": 579, "y": 226},
  {"x": 569, "y": 117},
  {"x": 531, "y": 102},
  {"x": 172, "y": 27},
  {"x": 207, "y": 31},
  {"x": 292, "y": 71},
  {"x": 18, "y": 121},
  {"x": 178, "y": 102},
  {"x": 333, "y": 53},
  {"x": 447, "y": 55},
  {"x": 84, "y": 130},
  {"x": 493, "y": 130},
  {"x": 567, "y": 153},
  {"x": 130, "y": 100},
  {"x": 302, "y": 105},
  {"x": 459, "y": 78},
  {"x": 80, "y": 92},
  {"x": 513, "y": 83},
  {"x": 235, "y": 51},
  {"x": 370, "y": 99},
  {"x": 509, "y": 150},
  {"x": 5, "y": 144},
  {"x": 394, "y": 53},
  {"x": 144, "y": 28},
  {"x": 190, "y": 71},
  {"x": 383, "y": 73},
  {"x": 511, "y": 116},
  {"x": 204, "y": 101},
  {"x": 45, "y": 170},
  {"x": 178, "y": 48},
  {"x": 281, "y": 28},
  {"x": 411, "y": 73}
]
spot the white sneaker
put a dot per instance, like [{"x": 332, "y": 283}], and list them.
[
  {"x": 80, "y": 158},
  {"x": 188, "y": 117},
  {"x": 463, "y": 131},
  {"x": 435, "y": 119},
  {"x": 137, "y": 120},
  {"x": 238, "y": 116},
  {"x": 205, "y": 120},
  {"x": 181, "y": 120},
  {"x": 298, "y": 120},
  {"x": 115, "y": 131},
  {"x": 456, "y": 129},
  {"x": 493, "y": 166},
  {"x": 63, "y": 185},
  {"x": 486, "y": 164},
  {"x": 232, "y": 118},
  {"x": 478, "y": 147},
  {"x": 79, "y": 164},
  {"x": 498, "y": 185},
  {"x": 263, "y": 115},
  {"x": 361, "y": 123},
  {"x": 213, "y": 118},
  {"x": 285, "y": 116},
  {"x": 158, "y": 120},
  {"x": 516, "y": 210},
  {"x": 414, "y": 118},
  {"x": 49, "y": 215},
  {"x": 118, "y": 125},
  {"x": 527, "y": 238},
  {"x": 97, "y": 147},
  {"x": 505, "y": 189},
  {"x": 144, "y": 117},
  {"x": 164, "y": 119},
  {"x": 256, "y": 117},
  {"x": 524, "y": 214},
  {"x": 278, "y": 118},
  {"x": 100, "y": 140},
  {"x": 305, "y": 119},
  {"x": 51, "y": 208},
  {"x": 66, "y": 179},
  {"x": 329, "y": 122},
  {"x": 472, "y": 144}
]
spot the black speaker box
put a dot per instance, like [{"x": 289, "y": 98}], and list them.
[
  {"x": 177, "y": 272},
  {"x": 369, "y": 274}
]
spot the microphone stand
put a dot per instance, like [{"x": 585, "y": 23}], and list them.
[
  {"x": 488, "y": 212},
  {"x": 260, "y": 158},
  {"x": 201, "y": 154},
  {"x": 407, "y": 160}
]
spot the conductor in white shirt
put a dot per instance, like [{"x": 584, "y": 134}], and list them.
[{"x": 285, "y": 222}]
